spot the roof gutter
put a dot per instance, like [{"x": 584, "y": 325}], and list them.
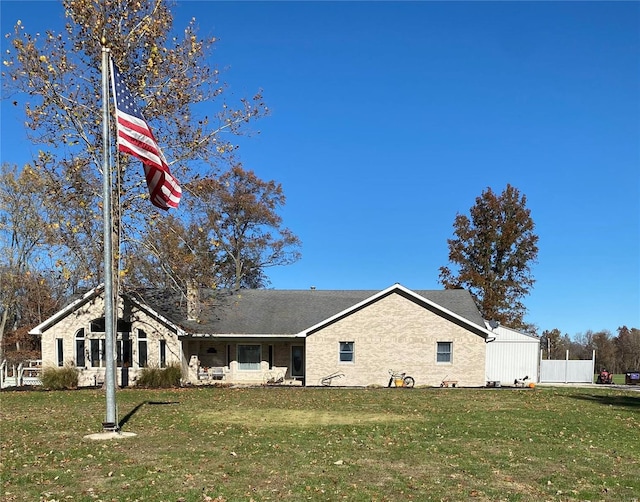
[{"x": 235, "y": 336}]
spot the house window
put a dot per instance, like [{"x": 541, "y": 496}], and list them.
[
  {"x": 249, "y": 357},
  {"x": 80, "y": 345},
  {"x": 163, "y": 353},
  {"x": 96, "y": 352},
  {"x": 59, "y": 351},
  {"x": 444, "y": 352},
  {"x": 347, "y": 352},
  {"x": 142, "y": 349},
  {"x": 124, "y": 352},
  {"x": 98, "y": 325}
]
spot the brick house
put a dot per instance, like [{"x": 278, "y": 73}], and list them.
[{"x": 282, "y": 336}]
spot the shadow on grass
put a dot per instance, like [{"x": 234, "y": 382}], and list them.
[
  {"x": 128, "y": 416},
  {"x": 620, "y": 401}
]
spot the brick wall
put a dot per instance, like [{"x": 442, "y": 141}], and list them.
[
  {"x": 395, "y": 333},
  {"x": 81, "y": 318}
]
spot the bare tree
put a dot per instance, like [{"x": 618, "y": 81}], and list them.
[
  {"x": 627, "y": 345},
  {"x": 24, "y": 231},
  {"x": 56, "y": 78}
]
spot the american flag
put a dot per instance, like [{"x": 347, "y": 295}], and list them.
[{"x": 135, "y": 138}]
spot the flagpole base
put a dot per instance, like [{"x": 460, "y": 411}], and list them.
[
  {"x": 110, "y": 427},
  {"x": 103, "y": 436}
]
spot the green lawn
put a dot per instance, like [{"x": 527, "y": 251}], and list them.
[{"x": 295, "y": 444}]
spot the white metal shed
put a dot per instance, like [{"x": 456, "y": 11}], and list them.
[{"x": 512, "y": 354}]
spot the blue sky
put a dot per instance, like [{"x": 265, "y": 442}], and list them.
[{"x": 388, "y": 118}]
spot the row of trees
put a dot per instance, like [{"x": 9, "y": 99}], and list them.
[
  {"x": 227, "y": 230},
  {"x": 616, "y": 353}
]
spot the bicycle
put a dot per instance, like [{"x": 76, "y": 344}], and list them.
[{"x": 400, "y": 379}]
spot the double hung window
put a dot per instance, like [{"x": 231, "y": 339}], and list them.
[
  {"x": 444, "y": 352},
  {"x": 347, "y": 352}
]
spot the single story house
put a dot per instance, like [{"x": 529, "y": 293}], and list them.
[{"x": 303, "y": 337}]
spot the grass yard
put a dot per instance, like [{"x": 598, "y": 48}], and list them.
[
  {"x": 295, "y": 444},
  {"x": 618, "y": 378}
]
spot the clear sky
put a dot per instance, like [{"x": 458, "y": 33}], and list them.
[{"x": 388, "y": 118}]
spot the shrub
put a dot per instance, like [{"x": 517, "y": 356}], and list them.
[
  {"x": 60, "y": 378},
  {"x": 160, "y": 378}
]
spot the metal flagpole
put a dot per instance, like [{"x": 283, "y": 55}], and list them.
[{"x": 111, "y": 421}]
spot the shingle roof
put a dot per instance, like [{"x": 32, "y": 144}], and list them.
[{"x": 284, "y": 312}]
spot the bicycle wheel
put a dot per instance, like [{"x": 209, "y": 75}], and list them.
[{"x": 409, "y": 381}]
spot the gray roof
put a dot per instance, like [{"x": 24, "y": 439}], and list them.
[{"x": 286, "y": 312}]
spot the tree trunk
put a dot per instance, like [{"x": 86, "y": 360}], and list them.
[{"x": 3, "y": 323}]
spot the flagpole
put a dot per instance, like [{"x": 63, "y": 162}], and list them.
[{"x": 111, "y": 421}]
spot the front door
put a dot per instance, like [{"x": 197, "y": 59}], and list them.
[{"x": 297, "y": 361}]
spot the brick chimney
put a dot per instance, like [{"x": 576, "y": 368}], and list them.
[{"x": 193, "y": 301}]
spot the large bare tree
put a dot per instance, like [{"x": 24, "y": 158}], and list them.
[
  {"x": 56, "y": 77},
  {"x": 26, "y": 295}
]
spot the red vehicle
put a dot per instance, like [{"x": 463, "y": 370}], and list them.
[{"x": 605, "y": 377}]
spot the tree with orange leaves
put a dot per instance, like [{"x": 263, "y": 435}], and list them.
[{"x": 493, "y": 250}]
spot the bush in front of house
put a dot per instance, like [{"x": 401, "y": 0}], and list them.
[
  {"x": 59, "y": 378},
  {"x": 160, "y": 378}
]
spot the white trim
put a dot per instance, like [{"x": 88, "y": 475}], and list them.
[
  {"x": 94, "y": 293},
  {"x": 242, "y": 336},
  {"x": 40, "y": 328}
]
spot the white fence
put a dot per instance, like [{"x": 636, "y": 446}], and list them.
[
  {"x": 23, "y": 374},
  {"x": 567, "y": 371}
]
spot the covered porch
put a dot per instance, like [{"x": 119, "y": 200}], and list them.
[{"x": 218, "y": 359}]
